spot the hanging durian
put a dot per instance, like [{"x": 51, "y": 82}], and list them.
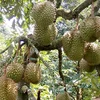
[
  {"x": 32, "y": 73},
  {"x": 73, "y": 45},
  {"x": 15, "y": 71},
  {"x": 90, "y": 29},
  {"x": 84, "y": 66},
  {"x": 8, "y": 89},
  {"x": 44, "y": 36},
  {"x": 44, "y": 13},
  {"x": 92, "y": 53}
]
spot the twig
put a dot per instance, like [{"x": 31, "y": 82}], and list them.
[
  {"x": 82, "y": 6},
  {"x": 17, "y": 40},
  {"x": 5, "y": 49}
]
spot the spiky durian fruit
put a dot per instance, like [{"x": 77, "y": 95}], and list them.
[
  {"x": 90, "y": 29},
  {"x": 44, "y": 36},
  {"x": 8, "y": 89},
  {"x": 32, "y": 73},
  {"x": 44, "y": 13},
  {"x": 92, "y": 53},
  {"x": 84, "y": 66},
  {"x": 15, "y": 71},
  {"x": 73, "y": 45},
  {"x": 63, "y": 96}
]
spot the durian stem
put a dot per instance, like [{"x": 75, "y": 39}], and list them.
[
  {"x": 92, "y": 10},
  {"x": 77, "y": 23},
  {"x": 17, "y": 51}
]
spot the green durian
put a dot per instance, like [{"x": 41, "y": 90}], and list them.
[
  {"x": 73, "y": 45},
  {"x": 8, "y": 89},
  {"x": 44, "y": 36},
  {"x": 32, "y": 73},
  {"x": 85, "y": 67},
  {"x": 15, "y": 71},
  {"x": 90, "y": 29},
  {"x": 92, "y": 53},
  {"x": 44, "y": 13}
]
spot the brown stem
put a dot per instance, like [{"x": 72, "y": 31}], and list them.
[
  {"x": 92, "y": 10},
  {"x": 77, "y": 23},
  {"x": 38, "y": 96},
  {"x": 60, "y": 64}
]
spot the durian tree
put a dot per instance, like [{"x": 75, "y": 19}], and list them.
[{"x": 52, "y": 47}]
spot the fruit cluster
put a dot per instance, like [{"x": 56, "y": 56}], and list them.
[
  {"x": 31, "y": 74},
  {"x": 44, "y": 30},
  {"x": 14, "y": 74},
  {"x": 82, "y": 45}
]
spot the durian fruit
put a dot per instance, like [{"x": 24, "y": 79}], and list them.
[
  {"x": 32, "y": 73},
  {"x": 44, "y": 36},
  {"x": 44, "y": 13},
  {"x": 90, "y": 29},
  {"x": 63, "y": 96},
  {"x": 85, "y": 67},
  {"x": 92, "y": 53},
  {"x": 15, "y": 71},
  {"x": 8, "y": 89},
  {"x": 73, "y": 45}
]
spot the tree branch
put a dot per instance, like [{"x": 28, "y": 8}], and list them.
[
  {"x": 54, "y": 45},
  {"x": 60, "y": 64},
  {"x": 73, "y": 14}
]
